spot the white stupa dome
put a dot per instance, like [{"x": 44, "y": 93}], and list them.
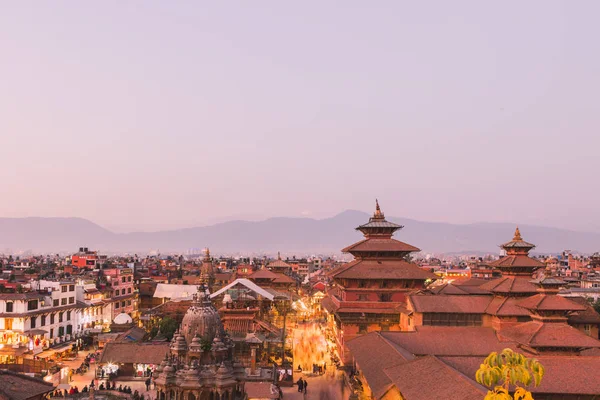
[{"x": 122, "y": 319}]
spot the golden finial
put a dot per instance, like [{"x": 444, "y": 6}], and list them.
[
  {"x": 279, "y": 255},
  {"x": 378, "y": 213},
  {"x": 517, "y": 236}
]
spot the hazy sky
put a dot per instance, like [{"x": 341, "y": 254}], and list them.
[{"x": 159, "y": 114}]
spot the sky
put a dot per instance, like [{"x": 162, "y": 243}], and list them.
[{"x": 147, "y": 115}]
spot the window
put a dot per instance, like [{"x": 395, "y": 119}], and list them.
[
  {"x": 128, "y": 302},
  {"x": 32, "y": 305},
  {"x": 71, "y": 288},
  {"x": 8, "y": 324},
  {"x": 451, "y": 319},
  {"x": 9, "y": 306},
  {"x": 123, "y": 279},
  {"x": 117, "y": 304},
  {"x": 63, "y": 288},
  {"x": 363, "y": 297},
  {"x": 122, "y": 304},
  {"x": 384, "y": 284},
  {"x": 385, "y": 297},
  {"x": 43, "y": 320},
  {"x": 129, "y": 279},
  {"x": 128, "y": 290},
  {"x": 60, "y": 318},
  {"x": 122, "y": 291},
  {"x": 33, "y": 321},
  {"x": 71, "y": 300},
  {"x": 362, "y": 284},
  {"x": 52, "y": 319},
  {"x": 63, "y": 301},
  {"x": 51, "y": 333},
  {"x": 61, "y": 331},
  {"x": 55, "y": 302},
  {"x": 69, "y": 329},
  {"x": 588, "y": 329},
  {"x": 68, "y": 315},
  {"x": 116, "y": 292},
  {"x": 362, "y": 328}
]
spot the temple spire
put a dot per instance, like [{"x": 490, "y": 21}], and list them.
[
  {"x": 517, "y": 235},
  {"x": 378, "y": 214}
]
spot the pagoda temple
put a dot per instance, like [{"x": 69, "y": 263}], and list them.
[{"x": 370, "y": 291}]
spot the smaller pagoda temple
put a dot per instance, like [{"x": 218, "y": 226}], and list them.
[{"x": 517, "y": 269}]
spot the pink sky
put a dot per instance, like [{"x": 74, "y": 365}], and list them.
[{"x": 145, "y": 115}]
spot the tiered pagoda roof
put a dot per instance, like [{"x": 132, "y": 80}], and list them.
[
  {"x": 516, "y": 267},
  {"x": 517, "y": 260},
  {"x": 378, "y": 240},
  {"x": 378, "y": 256}
]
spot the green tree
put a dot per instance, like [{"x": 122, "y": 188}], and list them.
[
  {"x": 506, "y": 370},
  {"x": 595, "y": 304},
  {"x": 168, "y": 326}
]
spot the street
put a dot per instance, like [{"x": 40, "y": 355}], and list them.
[{"x": 311, "y": 347}]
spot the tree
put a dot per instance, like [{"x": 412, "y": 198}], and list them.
[
  {"x": 509, "y": 368},
  {"x": 168, "y": 326},
  {"x": 595, "y": 304}
]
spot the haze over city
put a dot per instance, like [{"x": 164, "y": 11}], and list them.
[{"x": 149, "y": 116}]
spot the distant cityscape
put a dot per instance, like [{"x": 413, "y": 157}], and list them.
[{"x": 254, "y": 326}]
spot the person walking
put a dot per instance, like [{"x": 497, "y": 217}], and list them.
[
  {"x": 300, "y": 385},
  {"x": 304, "y": 385},
  {"x": 148, "y": 384}
]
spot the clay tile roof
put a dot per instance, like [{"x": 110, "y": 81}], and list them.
[
  {"x": 564, "y": 375},
  {"x": 587, "y": 316},
  {"x": 263, "y": 274},
  {"x": 538, "y": 334},
  {"x": 510, "y": 284},
  {"x": 328, "y": 304},
  {"x": 132, "y": 352},
  {"x": 380, "y": 244},
  {"x": 544, "y": 302},
  {"x": 281, "y": 278},
  {"x": 448, "y": 289},
  {"x": 21, "y": 296},
  {"x": 414, "y": 379},
  {"x": 279, "y": 264},
  {"x": 449, "y": 304},
  {"x": 15, "y": 386},
  {"x": 474, "y": 282},
  {"x": 380, "y": 224},
  {"x": 506, "y": 307},
  {"x": 449, "y": 341},
  {"x": 373, "y": 353},
  {"x": 384, "y": 269},
  {"x": 517, "y": 261}
]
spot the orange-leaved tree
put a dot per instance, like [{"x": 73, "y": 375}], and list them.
[{"x": 502, "y": 370}]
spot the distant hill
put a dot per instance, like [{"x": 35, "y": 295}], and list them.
[{"x": 290, "y": 235}]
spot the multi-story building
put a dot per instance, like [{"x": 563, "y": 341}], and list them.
[
  {"x": 123, "y": 294},
  {"x": 35, "y": 320},
  {"x": 84, "y": 258}
]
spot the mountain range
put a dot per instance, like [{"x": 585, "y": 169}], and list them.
[{"x": 301, "y": 236}]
